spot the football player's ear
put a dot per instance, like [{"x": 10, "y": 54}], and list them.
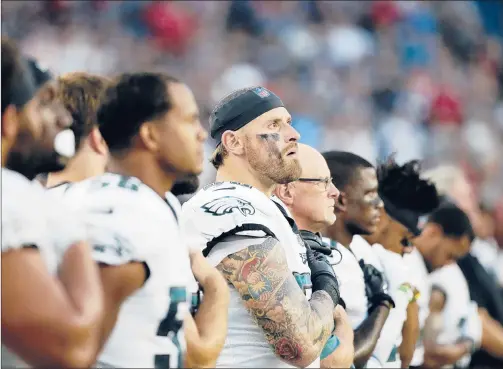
[
  {"x": 10, "y": 125},
  {"x": 285, "y": 192},
  {"x": 97, "y": 142},
  {"x": 233, "y": 143},
  {"x": 149, "y": 136},
  {"x": 341, "y": 202}
]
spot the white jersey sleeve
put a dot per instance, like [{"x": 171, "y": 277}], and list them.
[
  {"x": 460, "y": 313},
  {"x": 119, "y": 227},
  {"x": 33, "y": 217},
  {"x": 22, "y": 222},
  {"x": 221, "y": 211},
  {"x": 393, "y": 267},
  {"x": 351, "y": 282}
]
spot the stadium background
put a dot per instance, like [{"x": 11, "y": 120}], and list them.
[{"x": 423, "y": 79}]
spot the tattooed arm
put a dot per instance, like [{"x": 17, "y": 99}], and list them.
[{"x": 270, "y": 292}]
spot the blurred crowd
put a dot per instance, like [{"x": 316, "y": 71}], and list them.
[{"x": 423, "y": 79}]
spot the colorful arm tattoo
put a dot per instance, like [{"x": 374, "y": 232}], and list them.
[{"x": 296, "y": 328}]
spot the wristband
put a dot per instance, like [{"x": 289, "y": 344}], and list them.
[
  {"x": 416, "y": 296},
  {"x": 332, "y": 344},
  {"x": 405, "y": 288}
]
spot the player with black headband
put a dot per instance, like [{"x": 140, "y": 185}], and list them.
[
  {"x": 282, "y": 296},
  {"x": 406, "y": 197},
  {"x": 51, "y": 294}
]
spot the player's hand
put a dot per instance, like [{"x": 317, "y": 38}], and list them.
[
  {"x": 340, "y": 315},
  {"x": 204, "y": 273},
  {"x": 314, "y": 241},
  {"x": 376, "y": 287},
  {"x": 322, "y": 273},
  {"x": 375, "y": 282}
]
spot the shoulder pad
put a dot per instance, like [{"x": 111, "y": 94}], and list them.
[
  {"x": 224, "y": 209},
  {"x": 23, "y": 221},
  {"x": 126, "y": 220}
]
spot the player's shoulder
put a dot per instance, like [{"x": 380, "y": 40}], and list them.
[
  {"x": 116, "y": 189},
  {"x": 361, "y": 248},
  {"x": 20, "y": 195},
  {"x": 24, "y": 206},
  {"x": 227, "y": 208},
  {"x": 449, "y": 274},
  {"x": 227, "y": 198},
  {"x": 16, "y": 183}
]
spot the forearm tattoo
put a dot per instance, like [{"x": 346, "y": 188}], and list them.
[{"x": 293, "y": 325}]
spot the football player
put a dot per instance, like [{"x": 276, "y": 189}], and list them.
[
  {"x": 452, "y": 329},
  {"x": 357, "y": 209},
  {"x": 406, "y": 196},
  {"x": 311, "y": 200},
  {"x": 281, "y": 310},
  {"x": 150, "y": 124},
  {"x": 47, "y": 321},
  {"x": 80, "y": 93}
]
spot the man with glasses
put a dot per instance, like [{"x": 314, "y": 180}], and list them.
[
  {"x": 357, "y": 209},
  {"x": 311, "y": 201}
]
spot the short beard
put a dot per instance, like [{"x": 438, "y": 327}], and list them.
[
  {"x": 275, "y": 168},
  {"x": 186, "y": 185}
]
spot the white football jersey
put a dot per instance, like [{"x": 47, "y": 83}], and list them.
[
  {"x": 460, "y": 314},
  {"x": 385, "y": 354},
  {"x": 210, "y": 219},
  {"x": 419, "y": 279},
  {"x": 128, "y": 222},
  {"x": 351, "y": 282},
  {"x": 33, "y": 218}
]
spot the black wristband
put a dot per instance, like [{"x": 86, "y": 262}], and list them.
[
  {"x": 379, "y": 300},
  {"x": 327, "y": 283}
]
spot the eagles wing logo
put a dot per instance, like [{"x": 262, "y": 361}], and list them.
[
  {"x": 227, "y": 204},
  {"x": 303, "y": 257}
]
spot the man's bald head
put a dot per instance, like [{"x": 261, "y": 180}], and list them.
[
  {"x": 311, "y": 161},
  {"x": 311, "y": 199}
]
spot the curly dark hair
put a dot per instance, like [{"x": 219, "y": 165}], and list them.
[{"x": 404, "y": 188}]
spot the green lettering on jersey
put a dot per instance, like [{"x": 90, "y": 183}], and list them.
[{"x": 129, "y": 183}]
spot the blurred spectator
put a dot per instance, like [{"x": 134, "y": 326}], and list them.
[
  {"x": 422, "y": 78},
  {"x": 242, "y": 16},
  {"x": 170, "y": 25}
]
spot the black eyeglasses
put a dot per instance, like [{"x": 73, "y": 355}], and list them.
[{"x": 326, "y": 181}]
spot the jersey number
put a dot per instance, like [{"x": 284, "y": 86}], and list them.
[{"x": 170, "y": 327}]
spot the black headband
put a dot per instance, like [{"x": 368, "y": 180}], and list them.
[
  {"x": 406, "y": 217},
  {"x": 241, "y": 110}
]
